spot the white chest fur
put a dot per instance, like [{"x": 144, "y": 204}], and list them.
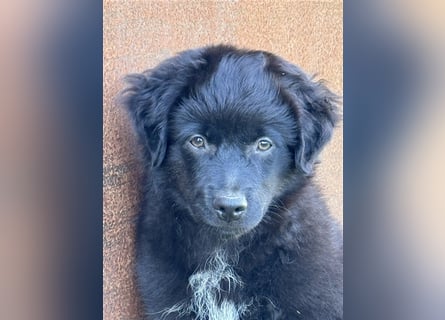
[{"x": 207, "y": 302}]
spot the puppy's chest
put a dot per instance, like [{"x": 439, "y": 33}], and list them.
[{"x": 218, "y": 292}]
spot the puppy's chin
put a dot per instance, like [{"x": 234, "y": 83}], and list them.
[
  {"x": 232, "y": 230},
  {"x": 230, "y": 233}
]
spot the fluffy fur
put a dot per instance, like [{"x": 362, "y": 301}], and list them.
[{"x": 232, "y": 226}]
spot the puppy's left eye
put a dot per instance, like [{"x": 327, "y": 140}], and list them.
[{"x": 264, "y": 145}]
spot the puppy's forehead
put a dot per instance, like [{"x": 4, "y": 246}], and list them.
[
  {"x": 239, "y": 98},
  {"x": 238, "y": 79},
  {"x": 238, "y": 89}
]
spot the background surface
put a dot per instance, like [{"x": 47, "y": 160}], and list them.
[{"x": 140, "y": 34}]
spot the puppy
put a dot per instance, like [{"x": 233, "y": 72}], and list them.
[{"x": 232, "y": 226}]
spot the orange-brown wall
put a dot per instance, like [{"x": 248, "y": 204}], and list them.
[{"x": 139, "y": 34}]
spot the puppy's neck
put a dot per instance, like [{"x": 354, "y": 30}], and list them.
[{"x": 200, "y": 244}]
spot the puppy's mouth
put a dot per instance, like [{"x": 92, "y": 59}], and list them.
[
  {"x": 232, "y": 229},
  {"x": 229, "y": 217}
]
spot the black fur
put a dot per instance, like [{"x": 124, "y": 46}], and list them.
[{"x": 284, "y": 246}]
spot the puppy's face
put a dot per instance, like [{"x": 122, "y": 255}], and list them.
[
  {"x": 230, "y": 161},
  {"x": 231, "y": 130}
]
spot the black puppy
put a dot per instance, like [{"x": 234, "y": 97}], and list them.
[{"x": 232, "y": 226}]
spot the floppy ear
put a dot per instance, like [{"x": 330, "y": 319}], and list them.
[
  {"x": 318, "y": 117},
  {"x": 149, "y": 116},
  {"x": 150, "y": 96},
  {"x": 316, "y": 111}
]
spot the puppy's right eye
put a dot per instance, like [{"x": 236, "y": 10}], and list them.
[
  {"x": 198, "y": 141},
  {"x": 264, "y": 144}
]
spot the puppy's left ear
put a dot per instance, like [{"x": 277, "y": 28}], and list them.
[{"x": 316, "y": 111}]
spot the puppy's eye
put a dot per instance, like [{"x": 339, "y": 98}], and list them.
[
  {"x": 264, "y": 145},
  {"x": 198, "y": 141}
]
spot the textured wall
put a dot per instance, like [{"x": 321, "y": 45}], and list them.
[{"x": 138, "y": 35}]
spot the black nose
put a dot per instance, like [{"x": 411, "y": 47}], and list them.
[{"x": 229, "y": 208}]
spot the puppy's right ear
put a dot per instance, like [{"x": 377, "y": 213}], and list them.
[
  {"x": 149, "y": 113},
  {"x": 150, "y": 96}
]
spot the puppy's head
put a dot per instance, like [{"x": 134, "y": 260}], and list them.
[{"x": 230, "y": 130}]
